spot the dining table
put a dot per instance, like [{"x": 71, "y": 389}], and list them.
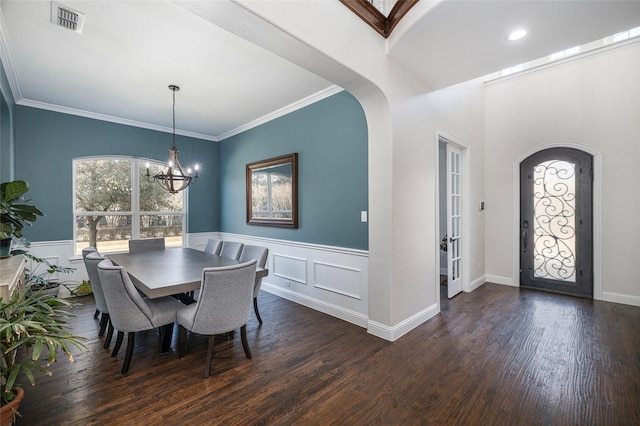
[{"x": 171, "y": 271}]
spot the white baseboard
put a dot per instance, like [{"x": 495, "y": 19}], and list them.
[
  {"x": 496, "y": 279},
  {"x": 621, "y": 298},
  {"x": 392, "y": 333},
  {"x": 477, "y": 282},
  {"x": 317, "y": 304}
]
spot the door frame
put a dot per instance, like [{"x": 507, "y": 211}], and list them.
[
  {"x": 465, "y": 247},
  {"x": 597, "y": 210}
]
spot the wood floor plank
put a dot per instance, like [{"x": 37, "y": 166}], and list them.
[{"x": 497, "y": 356}]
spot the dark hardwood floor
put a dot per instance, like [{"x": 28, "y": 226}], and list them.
[{"x": 496, "y": 356}]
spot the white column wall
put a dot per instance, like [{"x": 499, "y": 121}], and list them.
[{"x": 402, "y": 122}]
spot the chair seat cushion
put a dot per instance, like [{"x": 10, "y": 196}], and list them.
[
  {"x": 217, "y": 325},
  {"x": 186, "y": 315},
  {"x": 163, "y": 310}
]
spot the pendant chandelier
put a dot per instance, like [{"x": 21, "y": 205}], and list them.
[{"x": 172, "y": 177}]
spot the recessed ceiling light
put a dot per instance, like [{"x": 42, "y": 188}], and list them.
[{"x": 517, "y": 35}]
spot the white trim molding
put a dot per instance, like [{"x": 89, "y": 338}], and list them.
[{"x": 395, "y": 332}]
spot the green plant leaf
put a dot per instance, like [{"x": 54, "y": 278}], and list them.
[{"x": 15, "y": 189}]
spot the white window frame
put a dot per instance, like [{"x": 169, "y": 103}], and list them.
[{"x": 135, "y": 212}]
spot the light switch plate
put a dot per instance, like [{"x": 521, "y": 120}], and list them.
[{"x": 363, "y": 216}]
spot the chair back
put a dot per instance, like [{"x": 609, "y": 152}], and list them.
[
  {"x": 225, "y": 298},
  {"x": 231, "y": 249},
  {"x": 91, "y": 261},
  {"x": 146, "y": 244},
  {"x": 87, "y": 250},
  {"x": 213, "y": 246},
  {"x": 128, "y": 310},
  {"x": 260, "y": 254}
]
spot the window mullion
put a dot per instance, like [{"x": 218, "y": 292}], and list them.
[{"x": 135, "y": 199}]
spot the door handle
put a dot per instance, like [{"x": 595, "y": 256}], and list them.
[{"x": 524, "y": 241}]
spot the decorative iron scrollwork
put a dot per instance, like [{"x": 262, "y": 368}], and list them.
[{"x": 554, "y": 228}]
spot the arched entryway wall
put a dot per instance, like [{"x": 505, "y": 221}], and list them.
[
  {"x": 402, "y": 236},
  {"x": 597, "y": 210}
]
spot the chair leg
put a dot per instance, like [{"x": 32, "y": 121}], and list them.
[
  {"x": 116, "y": 348},
  {"x": 245, "y": 344},
  {"x": 131, "y": 341},
  {"x": 166, "y": 335},
  {"x": 95, "y": 315},
  {"x": 104, "y": 320},
  {"x": 107, "y": 340},
  {"x": 182, "y": 341},
  {"x": 207, "y": 367},
  {"x": 255, "y": 308}
]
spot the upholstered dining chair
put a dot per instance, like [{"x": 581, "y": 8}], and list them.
[
  {"x": 260, "y": 254},
  {"x": 231, "y": 249},
  {"x": 146, "y": 244},
  {"x": 85, "y": 252},
  {"x": 223, "y": 306},
  {"x": 213, "y": 246},
  {"x": 131, "y": 313},
  {"x": 91, "y": 261}
]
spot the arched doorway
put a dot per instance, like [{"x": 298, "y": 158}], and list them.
[{"x": 556, "y": 221}]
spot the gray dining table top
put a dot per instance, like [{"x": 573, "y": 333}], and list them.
[{"x": 174, "y": 270}]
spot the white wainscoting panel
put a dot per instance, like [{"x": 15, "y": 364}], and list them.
[
  {"x": 36, "y": 268},
  {"x": 333, "y": 280},
  {"x": 337, "y": 278},
  {"x": 289, "y": 267}
]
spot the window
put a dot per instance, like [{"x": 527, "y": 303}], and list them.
[{"x": 113, "y": 202}]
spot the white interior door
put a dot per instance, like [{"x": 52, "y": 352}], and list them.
[{"x": 454, "y": 220}]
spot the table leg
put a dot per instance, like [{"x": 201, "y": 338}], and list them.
[{"x": 167, "y": 334}]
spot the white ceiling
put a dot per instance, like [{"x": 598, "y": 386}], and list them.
[
  {"x": 461, "y": 40},
  {"x": 130, "y": 51}
]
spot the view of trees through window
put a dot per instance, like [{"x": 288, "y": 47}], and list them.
[
  {"x": 114, "y": 202},
  {"x": 271, "y": 195}
]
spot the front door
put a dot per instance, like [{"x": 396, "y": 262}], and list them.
[{"x": 556, "y": 221}]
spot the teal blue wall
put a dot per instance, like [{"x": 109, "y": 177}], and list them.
[
  {"x": 47, "y": 142},
  {"x": 330, "y": 138},
  {"x": 7, "y": 106}
]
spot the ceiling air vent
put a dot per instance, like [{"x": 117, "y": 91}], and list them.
[{"x": 66, "y": 17}]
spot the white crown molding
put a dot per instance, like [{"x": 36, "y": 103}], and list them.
[
  {"x": 7, "y": 60},
  {"x": 545, "y": 63},
  {"x": 111, "y": 119},
  {"x": 318, "y": 96}
]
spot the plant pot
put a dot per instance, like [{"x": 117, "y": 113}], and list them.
[
  {"x": 8, "y": 412},
  {"x": 5, "y": 247},
  {"x": 50, "y": 289}
]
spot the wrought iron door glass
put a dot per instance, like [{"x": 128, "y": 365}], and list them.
[{"x": 554, "y": 220}]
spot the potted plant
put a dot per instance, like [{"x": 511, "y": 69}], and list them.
[
  {"x": 37, "y": 279},
  {"x": 33, "y": 326},
  {"x": 15, "y": 213}
]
